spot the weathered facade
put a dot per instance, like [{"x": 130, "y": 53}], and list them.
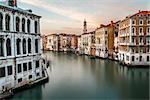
[
  {"x": 101, "y": 41},
  {"x": 134, "y": 39},
  {"x": 20, "y": 53},
  {"x": 87, "y": 40},
  {"x": 53, "y": 42}
]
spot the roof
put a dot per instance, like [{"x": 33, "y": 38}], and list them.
[
  {"x": 17, "y": 9},
  {"x": 88, "y": 33}
]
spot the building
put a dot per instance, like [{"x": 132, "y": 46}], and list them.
[
  {"x": 113, "y": 29},
  {"x": 64, "y": 42},
  {"x": 87, "y": 40},
  {"x": 53, "y": 42},
  {"x": 101, "y": 41},
  {"x": 134, "y": 39},
  {"x": 74, "y": 42},
  {"x": 20, "y": 53},
  {"x": 79, "y": 44}
]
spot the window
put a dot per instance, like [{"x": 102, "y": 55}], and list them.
[
  {"x": 141, "y": 22},
  {"x": 29, "y": 45},
  {"x": 18, "y": 46},
  {"x": 8, "y": 47},
  {"x": 37, "y": 65},
  {"x": 24, "y": 66},
  {"x": 19, "y": 68},
  {"x": 127, "y": 57},
  {"x": 24, "y": 46},
  {"x": 37, "y": 74},
  {"x": 148, "y": 22},
  {"x": 7, "y": 22},
  {"x": 36, "y": 46},
  {"x": 30, "y": 65},
  {"x": 19, "y": 80},
  {"x": 23, "y": 25},
  {"x": 132, "y": 58},
  {"x": 133, "y": 22},
  {"x": 133, "y": 30},
  {"x": 28, "y": 26},
  {"x": 35, "y": 23},
  {"x": 148, "y": 58},
  {"x": 140, "y": 58},
  {"x": 132, "y": 40},
  {"x": 2, "y": 72},
  {"x": 30, "y": 76},
  {"x": 17, "y": 24},
  {"x": 9, "y": 70},
  {"x": 1, "y": 21},
  {"x": 141, "y": 30},
  {"x": 132, "y": 50},
  {"x": 140, "y": 40},
  {"x": 148, "y": 30},
  {"x": 1, "y": 47}
]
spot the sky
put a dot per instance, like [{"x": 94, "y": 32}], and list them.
[{"x": 67, "y": 16}]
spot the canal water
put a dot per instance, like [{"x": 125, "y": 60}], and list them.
[{"x": 75, "y": 77}]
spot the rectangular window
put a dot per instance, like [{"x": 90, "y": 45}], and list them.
[
  {"x": 2, "y": 72},
  {"x": 24, "y": 66},
  {"x": 37, "y": 65},
  {"x": 1, "y": 47},
  {"x": 30, "y": 76},
  {"x": 9, "y": 70},
  {"x": 132, "y": 58},
  {"x": 30, "y": 65},
  {"x": 127, "y": 57},
  {"x": 140, "y": 40},
  {"x": 19, "y": 68},
  {"x": 19, "y": 80},
  {"x": 140, "y": 58},
  {"x": 132, "y": 40},
  {"x": 148, "y": 58},
  {"x": 141, "y": 22}
]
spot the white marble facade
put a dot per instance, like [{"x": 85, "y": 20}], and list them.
[{"x": 20, "y": 53}]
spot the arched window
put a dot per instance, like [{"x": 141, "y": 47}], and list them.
[
  {"x": 28, "y": 26},
  {"x": 7, "y": 23},
  {"x": 1, "y": 21},
  {"x": 24, "y": 46},
  {"x": 29, "y": 45},
  {"x": 36, "y": 45},
  {"x": 17, "y": 24},
  {"x": 133, "y": 30},
  {"x": 18, "y": 46},
  {"x": 35, "y": 23},
  {"x": 8, "y": 47},
  {"x": 23, "y": 25},
  {"x": 1, "y": 46}
]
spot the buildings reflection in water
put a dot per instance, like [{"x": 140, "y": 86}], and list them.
[{"x": 34, "y": 93}]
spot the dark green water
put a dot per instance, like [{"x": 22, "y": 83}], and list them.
[{"x": 75, "y": 77}]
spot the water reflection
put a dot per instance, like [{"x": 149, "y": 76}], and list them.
[{"x": 79, "y": 77}]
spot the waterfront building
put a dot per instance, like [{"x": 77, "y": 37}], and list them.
[
  {"x": 53, "y": 42},
  {"x": 74, "y": 42},
  {"x": 20, "y": 53},
  {"x": 87, "y": 41},
  {"x": 65, "y": 42},
  {"x": 101, "y": 41},
  {"x": 134, "y": 39},
  {"x": 79, "y": 49},
  {"x": 113, "y": 29}
]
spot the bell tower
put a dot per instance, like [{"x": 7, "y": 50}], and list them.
[{"x": 85, "y": 26}]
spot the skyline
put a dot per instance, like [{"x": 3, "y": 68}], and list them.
[{"x": 68, "y": 16}]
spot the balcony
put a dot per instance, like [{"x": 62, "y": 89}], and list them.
[{"x": 141, "y": 34}]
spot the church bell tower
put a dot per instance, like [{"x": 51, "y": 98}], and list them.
[{"x": 85, "y": 26}]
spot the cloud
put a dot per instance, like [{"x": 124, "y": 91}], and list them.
[{"x": 64, "y": 11}]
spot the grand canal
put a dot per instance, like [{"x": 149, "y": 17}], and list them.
[{"x": 75, "y": 77}]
